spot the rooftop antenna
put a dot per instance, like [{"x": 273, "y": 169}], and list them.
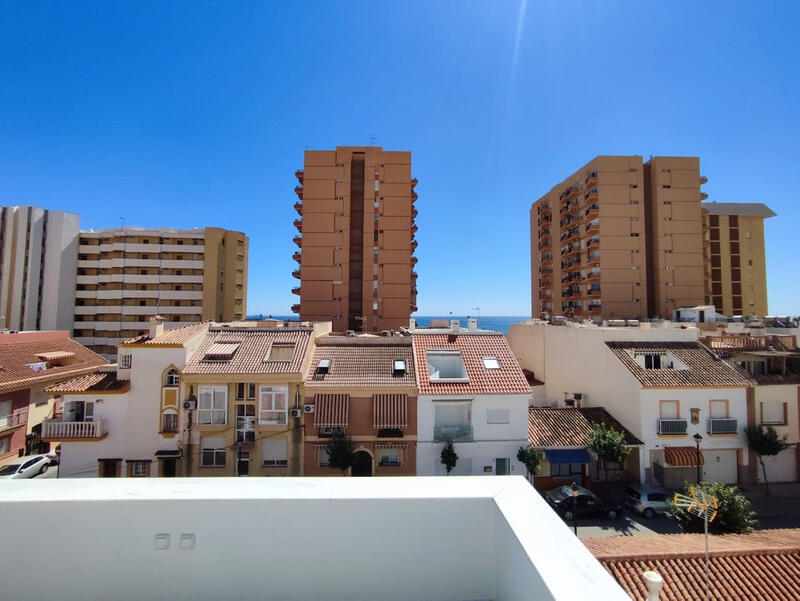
[
  {"x": 371, "y": 140},
  {"x": 122, "y": 223},
  {"x": 702, "y": 505}
]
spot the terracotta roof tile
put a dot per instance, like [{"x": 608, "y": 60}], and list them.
[
  {"x": 760, "y": 565},
  {"x": 179, "y": 335},
  {"x": 362, "y": 362},
  {"x": 250, "y": 355},
  {"x": 509, "y": 379},
  {"x": 570, "y": 427},
  {"x": 704, "y": 368},
  {"x": 16, "y": 354},
  {"x": 99, "y": 381}
]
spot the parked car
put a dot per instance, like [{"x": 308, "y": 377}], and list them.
[
  {"x": 647, "y": 500},
  {"x": 25, "y": 467},
  {"x": 588, "y": 504}
]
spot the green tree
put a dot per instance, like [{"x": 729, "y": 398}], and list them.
[
  {"x": 608, "y": 444},
  {"x": 531, "y": 459},
  {"x": 765, "y": 442},
  {"x": 449, "y": 456},
  {"x": 341, "y": 453},
  {"x": 733, "y": 516}
]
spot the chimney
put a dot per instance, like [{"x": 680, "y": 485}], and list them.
[
  {"x": 653, "y": 581},
  {"x": 472, "y": 323},
  {"x": 156, "y": 326},
  {"x": 412, "y": 323},
  {"x": 455, "y": 325}
]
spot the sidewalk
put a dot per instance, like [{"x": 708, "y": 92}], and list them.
[{"x": 780, "y": 510}]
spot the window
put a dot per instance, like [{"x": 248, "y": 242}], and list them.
[
  {"x": 5, "y": 445},
  {"x": 565, "y": 470},
  {"x": 109, "y": 468},
  {"x": 169, "y": 422},
  {"x": 212, "y": 405},
  {"x": 446, "y": 365},
  {"x": 497, "y": 416},
  {"x": 718, "y": 409},
  {"x": 213, "y": 452},
  {"x": 324, "y": 366},
  {"x": 389, "y": 457},
  {"x": 138, "y": 469},
  {"x": 245, "y": 423},
  {"x": 273, "y": 405},
  {"x": 5, "y": 413},
  {"x": 399, "y": 367},
  {"x": 281, "y": 352},
  {"x": 670, "y": 409},
  {"x": 125, "y": 361},
  {"x": 491, "y": 363},
  {"x": 172, "y": 378},
  {"x": 773, "y": 414},
  {"x": 324, "y": 458},
  {"x": 273, "y": 451}
]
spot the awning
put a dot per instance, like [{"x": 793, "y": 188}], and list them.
[
  {"x": 332, "y": 410},
  {"x": 168, "y": 453},
  {"x": 568, "y": 456},
  {"x": 390, "y": 410},
  {"x": 682, "y": 456}
]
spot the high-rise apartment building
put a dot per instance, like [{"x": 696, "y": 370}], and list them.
[
  {"x": 356, "y": 238},
  {"x": 619, "y": 238},
  {"x": 735, "y": 257},
  {"x": 127, "y": 275},
  {"x": 38, "y": 258}
]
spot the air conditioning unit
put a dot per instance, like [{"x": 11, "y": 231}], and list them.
[
  {"x": 189, "y": 405},
  {"x": 309, "y": 408},
  {"x": 296, "y": 412}
]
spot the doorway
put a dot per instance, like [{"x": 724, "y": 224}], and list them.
[
  {"x": 362, "y": 465},
  {"x": 168, "y": 467},
  {"x": 502, "y": 466},
  {"x": 243, "y": 464}
]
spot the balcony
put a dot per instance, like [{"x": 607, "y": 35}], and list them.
[
  {"x": 298, "y": 206},
  {"x": 299, "y": 191},
  {"x": 58, "y": 430},
  {"x": 299, "y": 175},
  {"x": 13, "y": 420},
  {"x": 722, "y": 425},
  {"x": 298, "y": 240},
  {"x": 296, "y": 290},
  {"x": 298, "y": 223},
  {"x": 414, "y": 213},
  {"x": 672, "y": 426},
  {"x": 297, "y": 256},
  {"x": 452, "y": 433},
  {"x": 296, "y": 274},
  {"x": 414, "y": 260},
  {"x": 296, "y": 309},
  {"x": 414, "y": 181}
]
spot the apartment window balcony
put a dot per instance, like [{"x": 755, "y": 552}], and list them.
[
  {"x": 672, "y": 426},
  {"x": 298, "y": 206},
  {"x": 297, "y": 256},
  {"x": 298, "y": 223},
  {"x": 58, "y": 430},
  {"x": 722, "y": 425},
  {"x": 414, "y": 213},
  {"x": 298, "y": 240},
  {"x": 295, "y": 308},
  {"x": 245, "y": 436},
  {"x": 13, "y": 420},
  {"x": 299, "y": 175},
  {"x": 461, "y": 433},
  {"x": 296, "y": 274},
  {"x": 299, "y": 191},
  {"x": 296, "y": 290},
  {"x": 414, "y": 181}
]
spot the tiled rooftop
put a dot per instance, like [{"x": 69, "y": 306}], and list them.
[
  {"x": 179, "y": 335},
  {"x": 570, "y": 427},
  {"x": 362, "y": 362},
  {"x": 250, "y": 356},
  {"x": 16, "y": 355},
  {"x": 704, "y": 369},
  {"x": 509, "y": 379},
  {"x": 761, "y": 565},
  {"x": 99, "y": 381}
]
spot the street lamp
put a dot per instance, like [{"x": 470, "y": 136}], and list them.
[
  {"x": 575, "y": 492},
  {"x": 698, "y": 439}
]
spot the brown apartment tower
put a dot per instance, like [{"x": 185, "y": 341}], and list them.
[
  {"x": 619, "y": 239},
  {"x": 356, "y": 238}
]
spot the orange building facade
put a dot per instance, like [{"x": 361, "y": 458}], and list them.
[
  {"x": 356, "y": 239},
  {"x": 619, "y": 239}
]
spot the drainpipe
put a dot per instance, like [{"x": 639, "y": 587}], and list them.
[{"x": 653, "y": 581}]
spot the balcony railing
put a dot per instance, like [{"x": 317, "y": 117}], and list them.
[
  {"x": 13, "y": 420},
  {"x": 58, "y": 430},
  {"x": 722, "y": 425},
  {"x": 672, "y": 426},
  {"x": 452, "y": 433}
]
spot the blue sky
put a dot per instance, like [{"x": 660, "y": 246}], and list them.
[{"x": 194, "y": 114}]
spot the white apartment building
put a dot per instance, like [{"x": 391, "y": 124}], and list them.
[
  {"x": 128, "y": 418},
  {"x": 659, "y": 382},
  {"x": 471, "y": 392},
  {"x": 127, "y": 275},
  {"x": 38, "y": 259}
]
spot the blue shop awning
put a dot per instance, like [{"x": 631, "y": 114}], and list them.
[{"x": 568, "y": 456}]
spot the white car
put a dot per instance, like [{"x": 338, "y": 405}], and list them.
[
  {"x": 25, "y": 467},
  {"x": 647, "y": 500}
]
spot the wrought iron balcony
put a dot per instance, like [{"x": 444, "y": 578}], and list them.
[
  {"x": 722, "y": 425},
  {"x": 672, "y": 426}
]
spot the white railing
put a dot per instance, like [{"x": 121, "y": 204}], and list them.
[
  {"x": 722, "y": 425},
  {"x": 672, "y": 426},
  {"x": 65, "y": 430}
]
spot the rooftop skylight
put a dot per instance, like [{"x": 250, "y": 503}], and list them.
[
  {"x": 447, "y": 365},
  {"x": 399, "y": 367},
  {"x": 491, "y": 363},
  {"x": 221, "y": 351},
  {"x": 323, "y": 366},
  {"x": 280, "y": 352}
]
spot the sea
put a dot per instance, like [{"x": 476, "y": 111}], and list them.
[{"x": 498, "y": 323}]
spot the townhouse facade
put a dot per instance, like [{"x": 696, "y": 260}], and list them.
[
  {"x": 364, "y": 388},
  {"x": 660, "y": 383},
  {"x": 29, "y": 363},
  {"x": 473, "y": 393}
]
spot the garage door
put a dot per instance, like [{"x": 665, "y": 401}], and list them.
[
  {"x": 780, "y": 468},
  {"x": 720, "y": 466}
]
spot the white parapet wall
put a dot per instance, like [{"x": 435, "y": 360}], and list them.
[{"x": 439, "y": 539}]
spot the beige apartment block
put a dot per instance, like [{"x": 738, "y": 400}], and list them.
[
  {"x": 735, "y": 257},
  {"x": 356, "y": 238},
  {"x": 619, "y": 239},
  {"x": 125, "y": 276}
]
